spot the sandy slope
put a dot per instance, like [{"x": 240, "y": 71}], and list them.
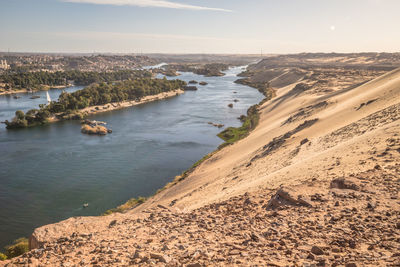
[
  {"x": 225, "y": 174},
  {"x": 305, "y": 140}
]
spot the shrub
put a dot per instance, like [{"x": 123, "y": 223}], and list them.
[
  {"x": 19, "y": 114},
  {"x": 2, "y": 257},
  {"x": 19, "y": 247},
  {"x": 130, "y": 204}
]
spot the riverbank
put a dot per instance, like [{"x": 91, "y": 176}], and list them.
[{"x": 126, "y": 104}]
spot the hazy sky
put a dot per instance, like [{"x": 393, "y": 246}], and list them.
[{"x": 200, "y": 26}]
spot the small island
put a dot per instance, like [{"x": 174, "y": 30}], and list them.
[
  {"x": 97, "y": 98},
  {"x": 94, "y": 128},
  {"x": 208, "y": 70}
]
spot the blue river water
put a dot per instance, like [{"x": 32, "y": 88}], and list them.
[{"x": 48, "y": 172}]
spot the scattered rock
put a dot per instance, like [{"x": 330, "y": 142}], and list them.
[
  {"x": 304, "y": 141},
  {"x": 317, "y": 250},
  {"x": 190, "y": 88},
  {"x": 286, "y": 196},
  {"x": 112, "y": 223},
  {"x": 342, "y": 183},
  {"x": 161, "y": 258}
]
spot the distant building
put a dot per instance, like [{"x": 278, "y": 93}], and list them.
[{"x": 4, "y": 65}]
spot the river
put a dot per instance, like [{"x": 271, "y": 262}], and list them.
[{"x": 47, "y": 173}]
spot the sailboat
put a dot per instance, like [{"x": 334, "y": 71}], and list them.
[{"x": 48, "y": 97}]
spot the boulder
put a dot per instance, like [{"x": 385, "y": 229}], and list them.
[
  {"x": 342, "y": 183},
  {"x": 287, "y": 196},
  {"x": 317, "y": 250},
  {"x": 189, "y": 88}
]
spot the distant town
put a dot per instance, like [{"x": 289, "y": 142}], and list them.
[{"x": 52, "y": 63}]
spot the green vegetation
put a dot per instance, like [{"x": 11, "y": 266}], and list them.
[
  {"x": 263, "y": 88},
  {"x": 104, "y": 93},
  {"x": 212, "y": 69},
  {"x": 130, "y": 204},
  {"x": 232, "y": 134},
  {"x": 69, "y": 104},
  {"x": 32, "y": 118},
  {"x": 36, "y": 80},
  {"x": 18, "y": 247},
  {"x": 2, "y": 257}
]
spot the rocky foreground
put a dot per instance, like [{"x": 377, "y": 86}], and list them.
[{"x": 351, "y": 221}]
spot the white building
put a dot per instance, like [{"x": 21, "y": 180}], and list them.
[{"x": 4, "y": 65}]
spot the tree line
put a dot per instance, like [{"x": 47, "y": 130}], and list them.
[{"x": 33, "y": 80}]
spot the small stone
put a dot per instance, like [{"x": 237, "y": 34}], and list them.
[
  {"x": 350, "y": 264},
  {"x": 112, "y": 223},
  {"x": 159, "y": 257},
  {"x": 317, "y": 250}
]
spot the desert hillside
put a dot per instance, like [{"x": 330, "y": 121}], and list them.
[{"x": 317, "y": 182}]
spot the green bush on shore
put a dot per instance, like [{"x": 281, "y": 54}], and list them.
[
  {"x": 2, "y": 257},
  {"x": 130, "y": 204},
  {"x": 233, "y": 134},
  {"x": 17, "y": 248}
]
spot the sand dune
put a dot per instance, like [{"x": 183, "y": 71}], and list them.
[{"x": 213, "y": 180}]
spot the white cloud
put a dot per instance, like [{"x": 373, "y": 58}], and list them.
[{"x": 147, "y": 3}]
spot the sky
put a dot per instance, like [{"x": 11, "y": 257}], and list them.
[{"x": 200, "y": 26}]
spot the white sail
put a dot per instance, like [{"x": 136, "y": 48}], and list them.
[{"x": 48, "y": 97}]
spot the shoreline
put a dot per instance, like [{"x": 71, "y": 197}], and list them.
[
  {"x": 252, "y": 112},
  {"x": 23, "y": 91},
  {"x": 92, "y": 110}
]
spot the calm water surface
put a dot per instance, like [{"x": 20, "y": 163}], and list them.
[{"x": 48, "y": 172}]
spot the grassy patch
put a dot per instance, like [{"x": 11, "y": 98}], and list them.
[
  {"x": 2, "y": 257},
  {"x": 17, "y": 248},
  {"x": 232, "y": 134},
  {"x": 130, "y": 204}
]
